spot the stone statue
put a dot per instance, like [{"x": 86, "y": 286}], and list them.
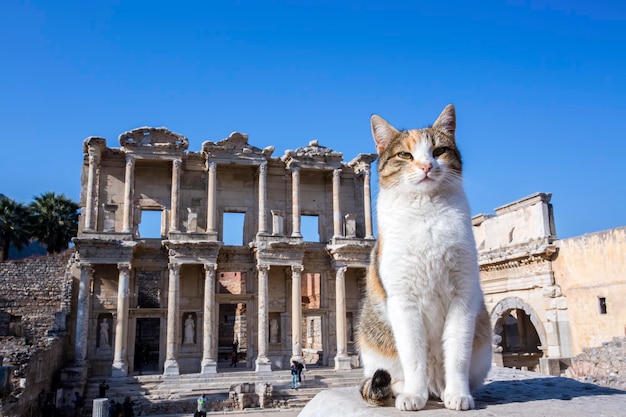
[
  {"x": 104, "y": 333},
  {"x": 190, "y": 329},
  {"x": 274, "y": 331}
]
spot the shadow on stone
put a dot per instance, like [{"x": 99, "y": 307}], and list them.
[{"x": 537, "y": 389}]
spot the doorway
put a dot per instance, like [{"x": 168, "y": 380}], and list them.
[
  {"x": 233, "y": 334},
  {"x": 147, "y": 344}
]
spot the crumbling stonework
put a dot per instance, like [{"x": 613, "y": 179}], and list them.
[
  {"x": 35, "y": 297},
  {"x": 32, "y": 290},
  {"x": 604, "y": 365}
]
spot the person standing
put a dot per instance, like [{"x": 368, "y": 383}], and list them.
[
  {"x": 301, "y": 368},
  {"x": 79, "y": 403},
  {"x": 102, "y": 389},
  {"x": 294, "y": 375},
  {"x": 128, "y": 407},
  {"x": 233, "y": 355},
  {"x": 201, "y": 409}
]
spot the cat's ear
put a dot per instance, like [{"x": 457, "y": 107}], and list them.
[
  {"x": 382, "y": 132},
  {"x": 447, "y": 121}
]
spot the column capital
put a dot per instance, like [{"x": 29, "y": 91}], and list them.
[
  {"x": 211, "y": 166},
  {"x": 263, "y": 168},
  {"x": 297, "y": 269},
  {"x": 124, "y": 266},
  {"x": 210, "y": 267},
  {"x": 94, "y": 157},
  {"x": 364, "y": 169},
  {"x": 177, "y": 163},
  {"x": 130, "y": 160},
  {"x": 86, "y": 267},
  {"x": 263, "y": 267},
  {"x": 294, "y": 168},
  {"x": 174, "y": 267},
  {"x": 341, "y": 269}
]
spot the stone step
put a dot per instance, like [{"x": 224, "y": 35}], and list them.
[{"x": 170, "y": 394}]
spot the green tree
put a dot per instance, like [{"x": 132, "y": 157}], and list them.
[
  {"x": 14, "y": 225},
  {"x": 54, "y": 220}
]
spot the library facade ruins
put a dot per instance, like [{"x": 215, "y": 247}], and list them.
[{"x": 182, "y": 300}]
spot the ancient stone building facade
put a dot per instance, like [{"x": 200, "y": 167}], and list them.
[
  {"x": 176, "y": 301},
  {"x": 548, "y": 298}
]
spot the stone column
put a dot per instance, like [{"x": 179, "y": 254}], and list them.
[
  {"x": 367, "y": 203},
  {"x": 262, "y": 197},
  {"x": 296, "y": 313},
  {"x": 91, "y": 188},
  {"x": 82, "y": 314},
  {"x": 129, "y": 180},
  {"x": 295, "y": 201},
  {"x": 171, "y": 352},
  {"x": 336, "y": 204},
  {"x": 211, "y": 189},
  {"x": 263, "y": 363},
  {"x": 209, "y": 358},
  {"x": 174, "y": 209},
  {"x": 342, "y": 360},
  {"x": 120, "y": 359}
]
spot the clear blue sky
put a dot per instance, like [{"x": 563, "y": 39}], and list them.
[{"x": 539, "y": 87}]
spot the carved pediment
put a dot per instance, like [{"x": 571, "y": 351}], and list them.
[
  {"x": 146, "y": 138},
  {"x": 313, "y": 156},
  {"x": 235, "y": 147},
  {"x": 362, "y": 162}
]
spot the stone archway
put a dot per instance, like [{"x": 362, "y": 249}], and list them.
[{"x": 519, "y": 335}]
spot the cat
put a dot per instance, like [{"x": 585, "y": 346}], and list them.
[{"x": 424, "y": 329}]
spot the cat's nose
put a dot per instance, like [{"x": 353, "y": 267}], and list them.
[{"x": 426, "y": 167}]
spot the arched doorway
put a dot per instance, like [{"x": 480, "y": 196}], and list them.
[{"x": 519, "y": 336}]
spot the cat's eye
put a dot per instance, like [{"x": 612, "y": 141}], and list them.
[
  {"x": 404, "y": 155},
  {"x": 437, "y": 152}
]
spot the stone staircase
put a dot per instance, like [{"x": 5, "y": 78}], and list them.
[{"x": 164, "y": 395}]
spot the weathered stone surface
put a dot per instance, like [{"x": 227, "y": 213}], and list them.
[
  {"x": 35, "y": 293},
  {"x": 604, "y": 365},
  {"x": 507, "y": 392}
]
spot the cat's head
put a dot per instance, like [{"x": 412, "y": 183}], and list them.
[{"x": 419, "y": 160}]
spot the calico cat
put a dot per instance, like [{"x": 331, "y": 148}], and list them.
[{"x": 424, "y": 329}]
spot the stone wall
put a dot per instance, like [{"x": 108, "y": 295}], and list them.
[
  {"x": 32, "y": 290},
  {"x": 604, "y": 365},
  {"x": 590, "y": 271},
  {"x": 35, "y": 298}
]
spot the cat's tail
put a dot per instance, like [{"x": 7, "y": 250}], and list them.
[{"x": 377, "y": 389}]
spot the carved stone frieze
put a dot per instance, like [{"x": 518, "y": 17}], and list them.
[
  {"x": 188, "y": 251},
  {"x": 104, "y": 251},
  {"x": 514, "y": 256},
  {"x": 354, "y": 252}
]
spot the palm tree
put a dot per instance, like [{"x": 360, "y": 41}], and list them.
[
  {"x": 14, "y": 225},
  {"x": 54, "y": 220}
]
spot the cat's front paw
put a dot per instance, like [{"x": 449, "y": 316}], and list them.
[
  {"x": 410, "y": 402},
  {"x": 458, "y": 401}
]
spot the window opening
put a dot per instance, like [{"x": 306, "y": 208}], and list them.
[
  {"x": 232, "y": 228},
  {"x": 150, "y": 224},
  {"x": 309, "y": 225},
  {"x": 602, "y": 304}
]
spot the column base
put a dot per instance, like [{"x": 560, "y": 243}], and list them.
[
  {"x": 263, "y": 364},
  {"x": 342, "y": 363},
  {"x": 171, "y": 367},
  {"x": 119, "y": 369},
  {"x": 208, "y": 367}
]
